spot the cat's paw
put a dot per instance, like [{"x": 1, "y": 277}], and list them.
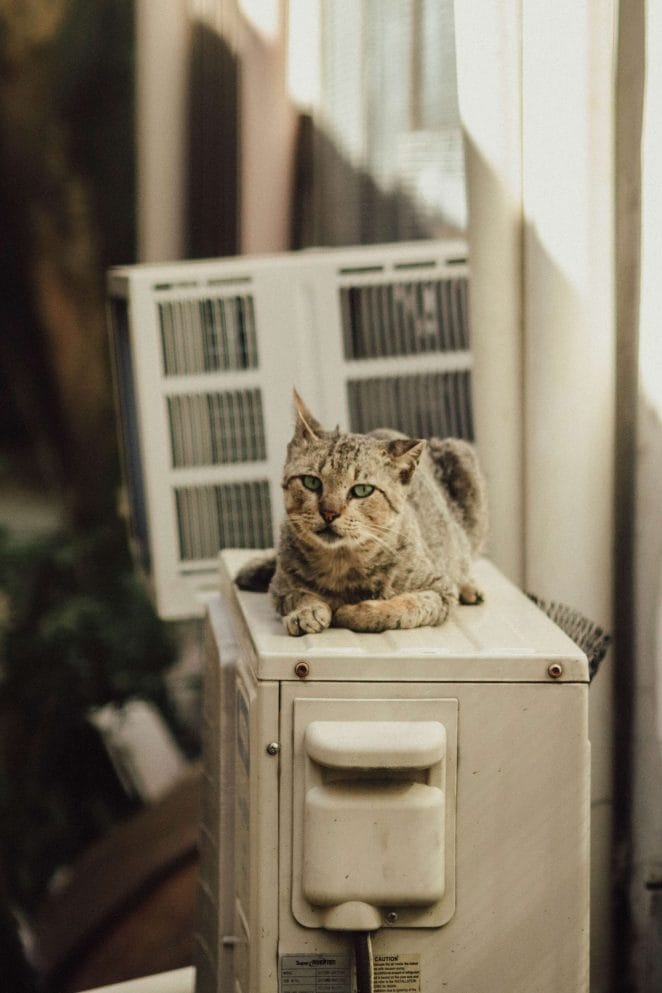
[
  {"x": 310, "y": 619},
  {"x": 470, "y": 594},
  {"x": 408, "y": 610},
  {"x": 369, "y": 616}
]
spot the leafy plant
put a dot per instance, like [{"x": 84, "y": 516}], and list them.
[{"x": 76, "y": 632}]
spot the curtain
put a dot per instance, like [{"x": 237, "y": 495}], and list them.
[{"x": 381, "y": 156}]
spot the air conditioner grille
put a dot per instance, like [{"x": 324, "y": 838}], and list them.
[
  {"x": 216, "y": 428},
  {"x": 212, "y": 517},
  {"x": 404, "y": 318},
  {"x": 208, "y": 335},
  {"x": 202, "y": 354},
  {"x": 420, "y": 405}
]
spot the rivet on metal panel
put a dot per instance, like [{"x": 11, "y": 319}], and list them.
[
  {"x": 391, "y": 917},
  {"x": 301, "y": 669},
  {"x": 273, "y": 748},
  {"x": 555, "y": 670}
]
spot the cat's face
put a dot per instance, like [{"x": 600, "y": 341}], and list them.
[{"x": 345, "y": 490}]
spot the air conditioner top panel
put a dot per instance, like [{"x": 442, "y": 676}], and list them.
[
  {"x": 505, "y": 639},
  {"x": 362, "y": 260}
]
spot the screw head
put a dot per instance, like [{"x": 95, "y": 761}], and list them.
[
  {"x": 391, "y": 917},
  {"x": 555, "y": 670},
  {"x": 301, "y": 669},
  {"x": 273, "y": 748}
]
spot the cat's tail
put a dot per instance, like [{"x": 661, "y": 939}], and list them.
[
  {"x": 456, "y": 468},
  {"x": 257, "y": 573}
]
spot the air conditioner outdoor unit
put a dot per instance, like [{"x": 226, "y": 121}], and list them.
[
  {"x": 426, "y": 787},
  {"x": 206, "y": 354}
]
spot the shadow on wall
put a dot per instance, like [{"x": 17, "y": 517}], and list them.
[
  {"x": 334, "y": 203},
  {"x": 645, "y": 885},
  {"x": 212, "y": 220}
]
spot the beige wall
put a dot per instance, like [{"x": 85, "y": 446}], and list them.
[{"x": 536, "y": 99}]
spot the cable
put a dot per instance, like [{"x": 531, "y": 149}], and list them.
[{"x": 365, "y": 979}]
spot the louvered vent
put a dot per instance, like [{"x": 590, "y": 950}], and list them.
[
  {"x": 216, "y": 428},
  {"x": 404, "y": 318},
  {"x": 214, "y": 517},
  {"x": 208, "y": 335},
  {"x": 420, "y": 405}
]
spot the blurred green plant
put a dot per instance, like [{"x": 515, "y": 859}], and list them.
[{"x": 76, "y": 632}]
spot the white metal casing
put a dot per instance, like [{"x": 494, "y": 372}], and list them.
[
  {"x": 518, "y": 868},
  {"x": 206, "y": 354}
]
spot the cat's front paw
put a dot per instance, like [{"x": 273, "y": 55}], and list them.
[
  {"x": 408, "y": 610},
  {"x": 310, "y": 619},
  {"x": 366, "y": 616}
]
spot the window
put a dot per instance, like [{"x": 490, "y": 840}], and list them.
[{"x": 383, "y": 157}]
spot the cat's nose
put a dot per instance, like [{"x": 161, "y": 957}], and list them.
[{"x": 329, "y": 514}]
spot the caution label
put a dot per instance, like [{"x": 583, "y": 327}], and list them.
[
  {"x": 397, "y": 973},
  {"x": 315, "y": 974}
]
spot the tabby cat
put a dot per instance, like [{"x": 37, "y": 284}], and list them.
[{"x": 380, "y": 530}]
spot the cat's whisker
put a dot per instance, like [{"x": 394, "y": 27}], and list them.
[
  {"x": 380, "y": 541},
  {"x": 386, "y": 529}
]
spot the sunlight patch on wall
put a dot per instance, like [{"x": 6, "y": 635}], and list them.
[
  {"x": 303, "y": 53},
  {"x": 263, "y": 15},
  {"x": 379, "y": 81}
]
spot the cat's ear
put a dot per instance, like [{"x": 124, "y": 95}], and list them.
[
  {"x": 306, "y": 426},
  {"x": 406, "y": 454}
]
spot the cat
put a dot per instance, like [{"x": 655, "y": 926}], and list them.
[{"x": 380, "y": 530}]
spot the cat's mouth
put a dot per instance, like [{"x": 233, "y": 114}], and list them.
[{"x": 329, "y": 535}]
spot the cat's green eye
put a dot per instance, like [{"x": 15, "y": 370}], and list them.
[
  {"x": 312, "y": 483},
  {"x": 361, "y": 490}
]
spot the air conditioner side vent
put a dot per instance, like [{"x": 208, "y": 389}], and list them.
[
  {"x": 229, "y": 281},
  {"x": 420, "y": 405},
  {"x": 404, "y": 317},
  {"x": 216, "y": 428},
  {"x": 359, "y": 270},
  {"x": 211, "y": 334},
  {"x": 189, "y": 284},
  {"x": 214, "y": 516},
  {"x": 423, "y": 264}
]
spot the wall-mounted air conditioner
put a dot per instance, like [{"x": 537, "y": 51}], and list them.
[{"x": 206, "y": 355}]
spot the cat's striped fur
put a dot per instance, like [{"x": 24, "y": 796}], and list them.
[{"x": 381, "y": 530}]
